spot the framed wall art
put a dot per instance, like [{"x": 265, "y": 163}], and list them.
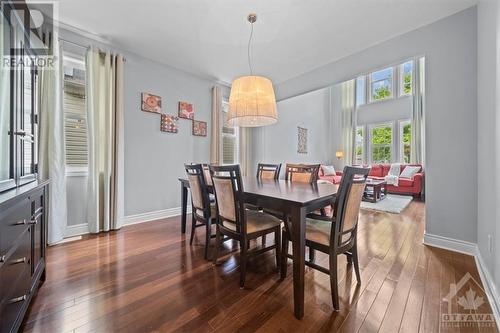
[
  {"x": 150, "y": 103},
  {"x": 199, "y": 128},
  {"x": 169, "y": 123},
  {"x": 186, "y": 110},
  {"x": 301, "y": 140}
]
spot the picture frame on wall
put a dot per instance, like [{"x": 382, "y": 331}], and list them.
[
  {"x": 186, "y": 110},
  {"x": 169, "y": 123},
  {"x": 199, "y": 128},
  {"x": 150, "y": 103},
  {"x": 301, "y": 140}
]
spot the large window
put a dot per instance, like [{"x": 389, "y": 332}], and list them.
[
  {"x": 381, "y": 84},
  {"x": 381, "y": 138},
  {"x": 75, "y": 116},
  {"x": 360, "y": 145},
  {"x": 405, "y": 140},
  {"x": 230, "y": 139}
]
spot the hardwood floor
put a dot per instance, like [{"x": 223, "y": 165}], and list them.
[{"x": 146, "y": 277}]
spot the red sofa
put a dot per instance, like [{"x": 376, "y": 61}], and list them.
[
  {"x": 332, "y": 179},
  {"x": 411, "y": 186}
]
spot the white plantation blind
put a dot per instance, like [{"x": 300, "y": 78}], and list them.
[
  {"x": 75, "y": 126},
  {"x": 230, "y": 142}
]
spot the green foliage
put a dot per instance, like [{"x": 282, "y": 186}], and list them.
[
  {"x": 407, "y": 83},
  {"x": 381, "y": 93},
  {"x": 381, "y": 140},
  {"x": 406, "y": 143},
  {"x": 382, "y": 135}
]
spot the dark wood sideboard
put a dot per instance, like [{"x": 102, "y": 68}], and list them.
[{"x": 23, "y": 227}]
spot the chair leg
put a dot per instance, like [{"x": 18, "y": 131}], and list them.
[
  {"x": 217, "y": 244},
  {"x": 356, "y": 262},
  {"x": 312, "y": 254},
  {"x": 193, "y": 228},
  {"x": 207, "y": 236},
  {"x": 333, "y": 281},
  {"x": 349, "y": 257},
  {"x": 284, "y": 252},
  {"x": 243, "y": 262},
  {"x": 264, "y": 240},
  {"x": 277, "y": 242}
]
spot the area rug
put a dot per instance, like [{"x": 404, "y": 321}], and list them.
[{"x": 391, "y": 204}]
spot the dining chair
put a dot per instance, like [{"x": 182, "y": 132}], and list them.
[
  {"x": 237, "y": 222},
  {"x": 304, "y": 173},
  {"x": 203, "y": 209},
  {"x": 268, "y": 171},
  {"x": 336, "y": 235}
]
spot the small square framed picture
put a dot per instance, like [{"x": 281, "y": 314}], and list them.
[
  {"x": 150, "y": 103},
  {"x": 169, "y": 123},
  {"x": 199, "y": 128},
  {"x": 186, "y": 110}
]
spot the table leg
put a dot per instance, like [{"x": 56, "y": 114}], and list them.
[
  {"x": 184, "y": 194},
  {"x": 298, "y": 218}
]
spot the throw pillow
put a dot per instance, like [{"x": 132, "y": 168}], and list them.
[
  {"x": 410, "y": 171},
  {"x": 328, "y": 170}
]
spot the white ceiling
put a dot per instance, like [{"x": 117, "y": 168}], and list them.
[{"x": 209, "y": 37}]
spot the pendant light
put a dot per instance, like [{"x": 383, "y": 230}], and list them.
[{"x": 252, "y": 102}]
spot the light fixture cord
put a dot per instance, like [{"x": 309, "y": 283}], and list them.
[{"x": 248, "y": 49}]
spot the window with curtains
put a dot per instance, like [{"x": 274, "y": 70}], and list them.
[
  {"x": 359, "y": 153},
  {"x": 75, "y": 115},
  {"x": 405, "y": 141},
  {"x": 230, "y": 138}
]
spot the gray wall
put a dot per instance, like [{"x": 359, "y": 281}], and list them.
[
  {"x": 449, "y": 46},
  {"x": 488, "y": 155},
  {"x": 278, "y": 143},
  {"x": 153, "y": 160}
]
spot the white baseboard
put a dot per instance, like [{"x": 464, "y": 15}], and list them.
[
  {"x": 471, "y": 249},
  {"x": 151, "y": 216},
  {"x": 450, "y": 244},
  {"x": 76, "y": 230},
  {"x": 489, "y": 286}
]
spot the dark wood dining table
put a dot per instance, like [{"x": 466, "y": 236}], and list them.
[{"x": 293, "y": 199}]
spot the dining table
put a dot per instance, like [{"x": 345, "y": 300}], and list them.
[{"x": 295, "y": 200}]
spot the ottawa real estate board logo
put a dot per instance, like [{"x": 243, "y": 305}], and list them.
[
  {"x": 467, "y": 306},
  {"x": 27, "y": 34}
]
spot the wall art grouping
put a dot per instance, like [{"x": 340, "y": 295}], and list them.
[
  {"x": 301, "y": 140},
  {"x": 170, "y": 123}
]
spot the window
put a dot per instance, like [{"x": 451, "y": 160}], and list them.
[
  {"x": 360, "y": 90},
  {"x": 381, "y": 143},
  {"x": 75, "y": 115},
  {"x": 230, "y": 139},
  {"x": 405, "y": 140},
  {"x": 405, "y": 78},
  {"x": 359, "y": 145},
  {"x": 381, "y": 84}
]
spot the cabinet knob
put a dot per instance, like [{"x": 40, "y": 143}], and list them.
[
  {"x": 18, "y": 261},
  {"x": 2, "y": 258},
  {"x": 20, "y": 222}
]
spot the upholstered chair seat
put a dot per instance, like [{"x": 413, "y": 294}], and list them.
[{"x": 256, "y": 222}]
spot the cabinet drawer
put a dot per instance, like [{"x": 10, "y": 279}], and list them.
[
  {"x": 13, "y": 304},
  {"x": 13, "y": 222}
]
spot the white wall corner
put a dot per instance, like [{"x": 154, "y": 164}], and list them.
[
  {"x": 472, "y": 249},
  {"x": 155, "y": 215}
]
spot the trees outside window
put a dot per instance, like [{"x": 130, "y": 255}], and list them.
[{"x": 381, "y": 144}]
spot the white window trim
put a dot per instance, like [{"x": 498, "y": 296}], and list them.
[
  {"x": 369, "y": 142},
  {"x": 368, "y": 85},
  {"x": 401, "y": 79}
]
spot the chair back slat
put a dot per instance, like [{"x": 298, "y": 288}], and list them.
[
  {"x": 206, "y": 173},
  {"x": 228, "y": 189},
  {"x": 347, "y": 204},
  {"x": 302, "y": 173},
  {"x": 268, "y": 171}
]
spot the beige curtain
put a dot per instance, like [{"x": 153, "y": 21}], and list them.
[
  {"x": 348, "y": 119},
  {"x": 105, "y": 140},
  {"x": 215, "y": 134},
  {"x": 52, "y": 150},
  {"x": 417, "y": 120},
  {"x": 244, "y": 151}
]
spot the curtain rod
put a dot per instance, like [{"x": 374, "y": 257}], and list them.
[{"x": 84, "y": 47}]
